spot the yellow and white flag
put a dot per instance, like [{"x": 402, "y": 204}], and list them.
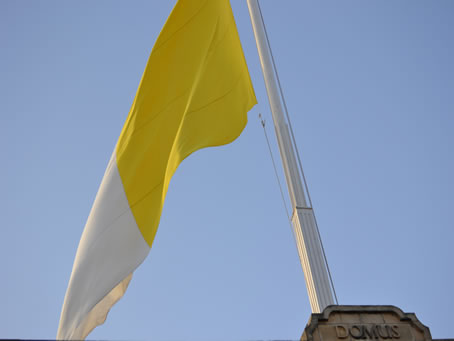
[{"x": 195, "y": 92}]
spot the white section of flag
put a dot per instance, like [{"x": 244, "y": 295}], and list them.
[{"x": 110, "y": 249}]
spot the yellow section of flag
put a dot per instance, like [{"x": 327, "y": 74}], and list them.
[{"x": 195, "y": 92}]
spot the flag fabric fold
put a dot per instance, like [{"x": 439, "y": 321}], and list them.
[{"x": 195, "y": 93}]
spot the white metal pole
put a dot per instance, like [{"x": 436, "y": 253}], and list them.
[{"x": 303, "y": 220}]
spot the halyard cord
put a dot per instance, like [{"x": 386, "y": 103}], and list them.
[
  {"x": 275, "y": 169},
  {"x": 276, "y": 173},
  {"x": 297, "y": 153}
]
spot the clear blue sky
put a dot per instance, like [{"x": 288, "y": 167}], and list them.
[{"x": 370, "y": 89}]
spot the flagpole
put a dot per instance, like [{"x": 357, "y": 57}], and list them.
[{"x": 307, "y": 238}]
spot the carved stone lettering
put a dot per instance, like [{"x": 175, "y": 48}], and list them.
[
  {"x": 383, "y": 332},
  {"x": 341, "y": 332},
  {"x": 356, "y": 332},
  {"x": 365, "y": 323},
  {"x": 395, "y": 332},
  {"x": 367, "y": 331},
  {"x": 370, "y": 332}
]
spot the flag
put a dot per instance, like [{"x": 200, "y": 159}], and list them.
[{"x": 194, "y": 93}]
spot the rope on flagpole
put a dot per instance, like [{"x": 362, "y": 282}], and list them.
[{"x": 262, "y": 121}]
